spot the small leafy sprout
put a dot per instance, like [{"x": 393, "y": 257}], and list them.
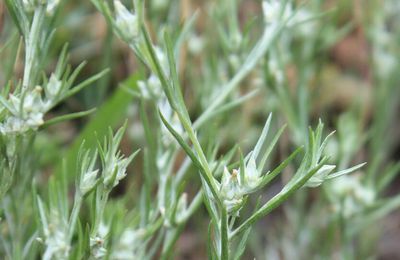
[
  {"x": 252, "y": 177},
  {"x": 53, "y": 87},
  {"x": 88, "y": 173},
  {"x": 114, "y": 164},
  {"x": 315, "y": 151}
]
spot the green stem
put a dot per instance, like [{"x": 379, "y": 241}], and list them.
[
  {"x": 197, "y": 147},
  {"x": 224, "y": 235},
  {"x": 74, "y": 216},
  {"x": 32, "y": 45},
  {"x": 100, "y": 212}
]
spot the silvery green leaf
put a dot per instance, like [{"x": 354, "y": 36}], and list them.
[{"x": 320, "y": 176}]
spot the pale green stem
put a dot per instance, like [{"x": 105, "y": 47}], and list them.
[
  {"x": 224, "y": 235},
  {"x": 74, "y": 215},
  {"x": 100, "y": 212},
  {"x": 32, "y": 45},
  {"x": 197, "y": 147}
]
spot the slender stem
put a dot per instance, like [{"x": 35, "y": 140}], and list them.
[
  {"x": 224, "y": 235},
  {"x": 32, "y": 45},
  {"x": 74, "y": 215},
  {"x": 197, "y": 147},
  {"x": 100, "y": 212},
  {"x": 176, "y": 101}
]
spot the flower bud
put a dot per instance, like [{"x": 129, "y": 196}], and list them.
[
  {"x": 320, "y": 176},
  {"x": 231, "y": 191},
  {"x": 126, "y": 22},
  {"x": 53, "y": 86},
  {"x": 88, "y": 182},
  {"x": 252, "y": 175},
  {"x": 116, "y": 172},
  {"x": 97, "y": 242},
  {"x": 97, "y": 247}
]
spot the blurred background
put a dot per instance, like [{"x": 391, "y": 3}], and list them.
[{"x": 341, "y": 65}]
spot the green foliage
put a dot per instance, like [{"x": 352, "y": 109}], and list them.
[{"x": 195, "y": 97}]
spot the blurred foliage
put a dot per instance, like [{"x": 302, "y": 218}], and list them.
[{"x": 336, "y": 63}]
